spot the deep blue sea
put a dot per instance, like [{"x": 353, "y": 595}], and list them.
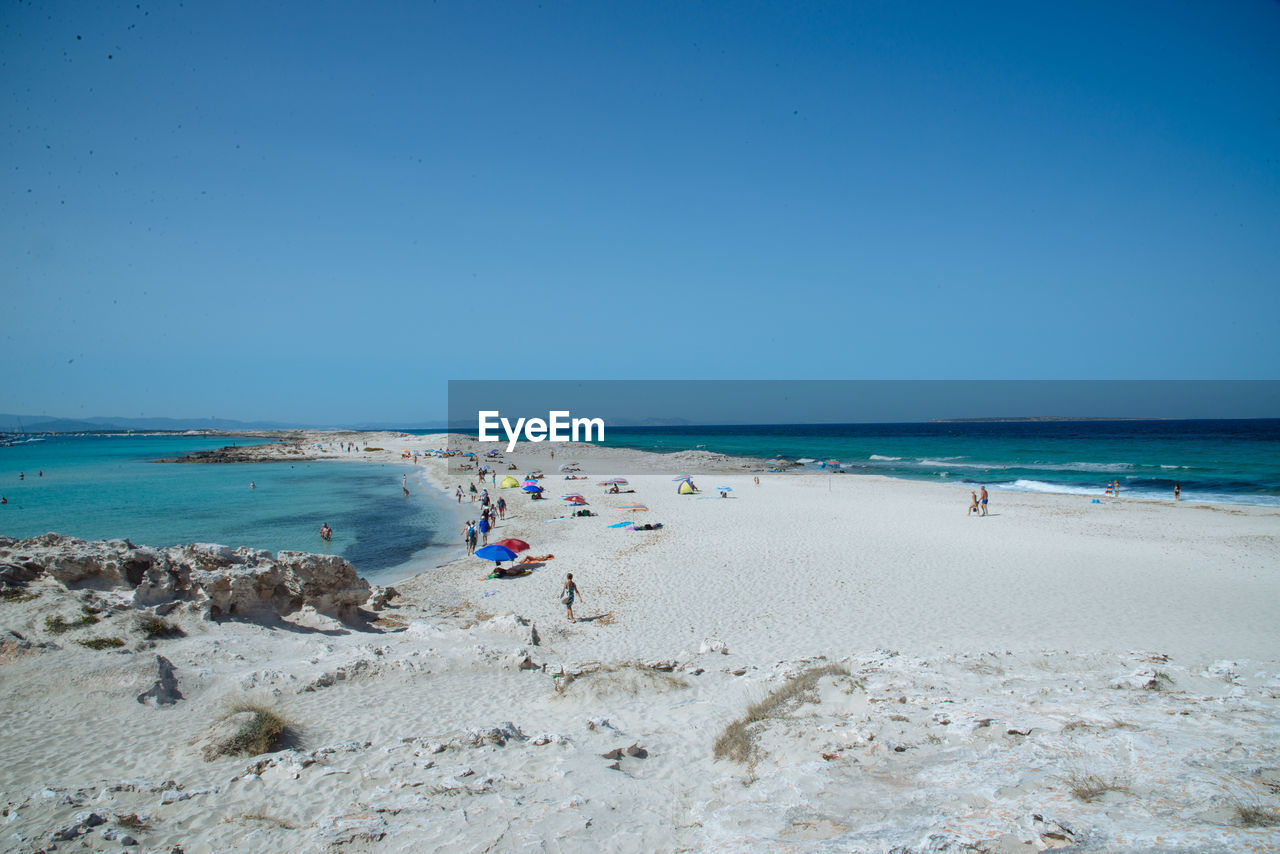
[
  {"x": 1217, "y": 461},
  {"x": 107, "y": 486}
]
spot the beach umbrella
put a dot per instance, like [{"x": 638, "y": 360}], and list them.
[
  {"x": 633, "y": 507},
  {"x": 724, "y": 489},
  {"x": 531, "y": 488},
  {"x": 680, "y": 478},
  {"x": 575, "y": 499},
  {"x": 620, "y": 481},
  {"x": 495, "y": 553},
  {"x": 528, "y": 482},
  {"x": 575, "y": 495},
  {"x": 514, "y": 544}
]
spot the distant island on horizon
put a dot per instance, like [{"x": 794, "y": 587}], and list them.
[
  {"x": 1064, "y": 418},
  {"x": 25, "y": 425}
]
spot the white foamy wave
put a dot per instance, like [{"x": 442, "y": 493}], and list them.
[
  {"x": 950, "y": 462},
  {"x": 1021, "y": 485},
  {"x": 1228, "y": 498},
  {"x": 1174, "y": 467},
  {"x": 804, "y": 460},
  {"x": 884, "y": 459},
  {"x": 1140, "y": 493},
  {"x": 1096, "y": 466}
]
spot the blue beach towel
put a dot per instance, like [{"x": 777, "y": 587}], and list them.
[{"x": 620, "y": 525}]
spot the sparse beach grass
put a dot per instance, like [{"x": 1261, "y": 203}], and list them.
[
  {"x": 1072, "y": 726},
  {"x": 628, "y": 677},
  {"x": 18, "y": 594},
  {"x": 260, "y": 733},
  {"x": 738, "y": 742},
  {"x": 1255, "y": 815},
  {"x": 154, "y": 627},
  {"x": 58, "y": 624},
  {"x": 1088, "y": 787},
  {"x": 264, "y": 818},
  {"x": 101, "y": 643}
]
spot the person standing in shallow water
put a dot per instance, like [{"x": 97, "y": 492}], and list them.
[{"x": 568, "y": 593}]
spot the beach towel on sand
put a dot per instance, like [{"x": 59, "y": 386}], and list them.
[{"x": 620, "y": 525}]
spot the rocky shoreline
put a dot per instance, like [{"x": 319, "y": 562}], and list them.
[{"x": 212, "y": 580}]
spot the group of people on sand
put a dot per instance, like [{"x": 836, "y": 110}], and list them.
[
  {"x": 476, "y": 530},
  {"x": 978, "y": 505}
]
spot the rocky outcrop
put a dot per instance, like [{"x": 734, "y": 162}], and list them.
[{"x": 220, "y": 581}]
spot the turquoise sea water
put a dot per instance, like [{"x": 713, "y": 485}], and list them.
[
  {"x": 101, "y": 487},
  {"x": 1217, "y": 461},
  {"x": 1221, "y": 461}
]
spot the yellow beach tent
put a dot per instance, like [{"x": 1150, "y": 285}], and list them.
[
  {"x": 509, "y": 481},
  {"x": 686, "y": 488}
]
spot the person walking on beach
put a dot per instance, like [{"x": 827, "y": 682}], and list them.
[
  {"x": 984, "y": 501},
  {"x": 568, "y": 593},
  {"x": 459, "y": 493},
  {"x": 502, "y": 508},
  {"x": 1177, "y": 492},
  {"x": 973, "y": 506},
  {"x": 484, "y": 527}
]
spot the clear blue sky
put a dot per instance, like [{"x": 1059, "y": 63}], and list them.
[{"x": 323, "y": 211}]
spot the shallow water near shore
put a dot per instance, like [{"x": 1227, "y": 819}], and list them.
[{"x": 109, "y": 486}]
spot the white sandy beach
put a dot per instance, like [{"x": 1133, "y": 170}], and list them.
[{"x": 992, "y": 665}]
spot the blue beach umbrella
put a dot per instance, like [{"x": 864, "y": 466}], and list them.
[
  {"x": 495, "y": 553},
  {"x": 724, "y": 489},
  {"x": 533, "y": 487}
]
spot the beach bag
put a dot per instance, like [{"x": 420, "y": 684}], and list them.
[{"x": 566, "y": 597}]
